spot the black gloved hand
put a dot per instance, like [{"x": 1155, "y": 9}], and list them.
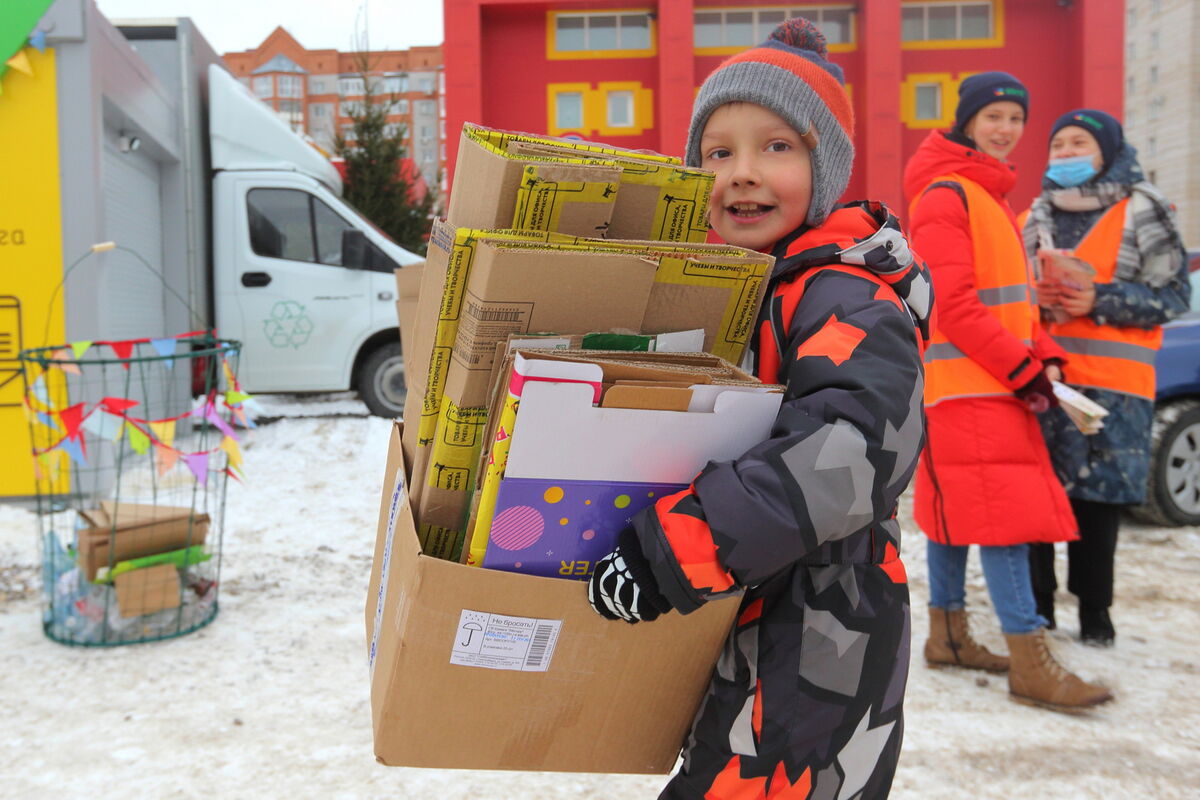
[
  {"x": 622, "y": 585},
  {"x": 1038, "y": 394}
]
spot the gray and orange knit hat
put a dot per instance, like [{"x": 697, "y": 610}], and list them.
[{"x": 791, "y": 75}]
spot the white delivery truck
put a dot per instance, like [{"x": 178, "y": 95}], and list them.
[{"x": 159, "y": 149}]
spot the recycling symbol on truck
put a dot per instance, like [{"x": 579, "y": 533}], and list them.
[{"x": 288, "y": 325}]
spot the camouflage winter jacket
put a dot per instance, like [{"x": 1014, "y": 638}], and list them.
[{"x": 843, "y": 328}]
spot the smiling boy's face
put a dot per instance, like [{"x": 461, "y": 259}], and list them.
[{"x": 763, "y": 186}]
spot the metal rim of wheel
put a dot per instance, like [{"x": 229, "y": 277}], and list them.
[
  {"x": 390, "y": 386},
  {"x": 1183, "y": 470}
]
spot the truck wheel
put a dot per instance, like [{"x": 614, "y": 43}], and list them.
[
  {"x": 1173, "y": 492},
  {"x": 381, "y": 383}
]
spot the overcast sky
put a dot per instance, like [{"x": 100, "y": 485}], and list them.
[{"x": 317, "y": 24}]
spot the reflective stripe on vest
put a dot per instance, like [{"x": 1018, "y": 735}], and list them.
[
  {"x": 1120, "y": 359},
  {"x": 1002, "y": 284}
]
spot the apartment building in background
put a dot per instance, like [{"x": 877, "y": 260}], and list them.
[
  {"x": 626, "y": 72},
  {"x": 315, "y": 90},
  {"x": 1162, "y": 100}
]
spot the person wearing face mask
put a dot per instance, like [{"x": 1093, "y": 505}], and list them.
[
  {"x": 985, "y": 476},
  {"x": 1096, "y": 202}
]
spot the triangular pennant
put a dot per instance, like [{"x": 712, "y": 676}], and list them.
[
  {"x": 230, "y": 380},
  {"x": 38, "y": 474},
  {"x": 65, "y": 360},
  {"x": 220, "y": 424},
  {"x": 71, "y": 417},
  {"x": 233, "y": 397},
  {"x": 198, "y": 464},
  {"x": 46, "y": 420},
  {"x": 39, "y": 390},
  {"x": 79, "y": 348},
  {"x": 233, "y": 475},
  {"x": 164, "y": 431},
  {"x": 166, "y": 456},
  {"x": 164, "y": 347},
  {"x": 74, "y": 448},
  {"x": 123, "y": 351},
  {"x": 20, "y": 62},
  {"x": 104, "y": 425},
  {"x": 118, "y": 405},
  {"x": 245, "y": 421},
  {"x": 138, "y": 440},
  {"x": 37, "y": 40},
  {"x": 230, "y": 446}
]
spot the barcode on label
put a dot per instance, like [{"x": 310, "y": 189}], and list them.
[
  {"x": 537, "y": 647},
  {"x": 497, "y": 315}
]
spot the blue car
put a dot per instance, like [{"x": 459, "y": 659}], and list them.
[{"x": 1174, "y": 490}]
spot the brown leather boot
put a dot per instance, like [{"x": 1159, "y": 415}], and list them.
[
  {"x": 950, "y": 642},
  {"x": 1036, "y": 678}
]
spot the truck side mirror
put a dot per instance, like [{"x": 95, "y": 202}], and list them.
[{"x": 354, "y": 249}]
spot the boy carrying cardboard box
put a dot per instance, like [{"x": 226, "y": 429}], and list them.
[{"x": 809, "y": 693}]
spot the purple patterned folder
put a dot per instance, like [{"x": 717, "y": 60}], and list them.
[{"x": 558, "y": 528}]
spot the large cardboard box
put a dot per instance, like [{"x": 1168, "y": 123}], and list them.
[
  {"x": 518, "y": 180},
  {"x": 481, "y": 669}
]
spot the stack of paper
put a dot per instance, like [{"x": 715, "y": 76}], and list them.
[{"x": 1087, "y": 414}]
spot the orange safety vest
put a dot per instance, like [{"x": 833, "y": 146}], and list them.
[
  {"x": 1002, "y": 282},
  {"x": 1120, "y": 359}
]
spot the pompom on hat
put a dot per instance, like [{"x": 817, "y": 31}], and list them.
[{"x": 791, "y": 75}]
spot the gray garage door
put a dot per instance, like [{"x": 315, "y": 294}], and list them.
[{"x": 132, "y": 304}]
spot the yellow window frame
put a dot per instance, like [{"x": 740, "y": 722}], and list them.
[
  {"x": 908, "y": 99},
  {"x": 554, "y": 54},
  {"x": 995, "y": 40},
  {"x": 841, "y": 47},
  {"x": 595, "y": 108}
]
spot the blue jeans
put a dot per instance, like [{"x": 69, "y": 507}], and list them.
[{"x": 1006, "y": 570}]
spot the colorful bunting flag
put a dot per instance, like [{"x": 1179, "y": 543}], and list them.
[
  {"x": 230, "y": 446},
  {"x": 233, "y": 397},
  {"x": 220, "y": 424},
  {"x": 79, "y": 348},
  {"x": 46, "y": 420},
  {"x": 40, "y": 392},
  {"x": 164, "y": 431},
  {"x": 165, "y": 347},
  {"x": 70, "y": 418},
  {"x": 198, "y": 464},
  {"x": 104, "y": 425},
  {"x": 118, "y": 405},
  {"x": 64, "y": 360},
  {"x": 138, "y": 440},
  {"x": 37, "y": 40},
  {"x": 75, "y": 449},
  {"x": 166, "y": 456},
  {"x": 20, "y": 62},
  {"x": 123, "y": 351}
]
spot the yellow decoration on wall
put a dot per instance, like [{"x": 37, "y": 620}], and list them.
[{"x": 30, "y": 252}]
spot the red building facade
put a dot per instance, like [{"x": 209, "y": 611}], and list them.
[{"x": 626, "y": 73}]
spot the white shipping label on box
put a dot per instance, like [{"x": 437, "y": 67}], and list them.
[
  {"x": 398, "y": 497},
  {"x": 497, "y": 641}
]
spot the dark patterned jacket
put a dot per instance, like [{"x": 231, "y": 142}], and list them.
[{"x": 811, "y": 683}]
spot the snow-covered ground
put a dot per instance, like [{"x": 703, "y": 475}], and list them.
[{"x": 271, "y": 700}]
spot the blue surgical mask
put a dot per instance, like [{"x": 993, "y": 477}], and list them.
[{"x": 1072, "y": 171}]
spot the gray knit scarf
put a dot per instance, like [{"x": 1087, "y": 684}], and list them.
[{"x": 1151, "y": 249}]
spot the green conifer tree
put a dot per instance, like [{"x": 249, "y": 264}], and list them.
[{"x": 374, "y": 183}]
